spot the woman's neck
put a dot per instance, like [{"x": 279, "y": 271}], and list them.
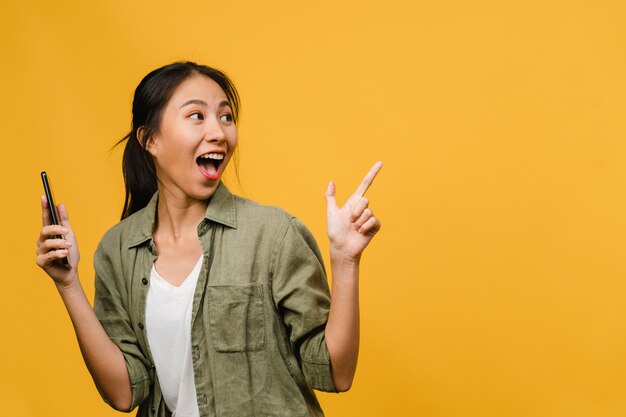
[{"x": 178, "y": 217}]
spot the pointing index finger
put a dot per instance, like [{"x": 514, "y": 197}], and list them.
[{"x": 368, "y": 179}]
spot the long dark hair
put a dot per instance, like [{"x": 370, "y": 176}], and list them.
[{"x": 151, "y": 97}]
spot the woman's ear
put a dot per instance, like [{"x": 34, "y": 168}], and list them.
[{"x": 146, "y": 142}]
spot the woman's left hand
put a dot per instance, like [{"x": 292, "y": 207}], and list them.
[{"x": 352, "y": 227}]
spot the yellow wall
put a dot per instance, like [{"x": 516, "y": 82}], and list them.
[{"x": 497, "y": 285}]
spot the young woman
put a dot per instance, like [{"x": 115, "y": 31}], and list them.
[{"x": 208, "y": 304}]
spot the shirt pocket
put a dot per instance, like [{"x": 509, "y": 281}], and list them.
[{"x": 237, "y": 317}]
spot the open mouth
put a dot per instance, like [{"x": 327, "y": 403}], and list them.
[{"x": 210, "y": 163}]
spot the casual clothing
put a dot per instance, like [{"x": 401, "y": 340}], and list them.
[
  {"x": 259, "y": 310},
  {"x": 168, "y": 329}
]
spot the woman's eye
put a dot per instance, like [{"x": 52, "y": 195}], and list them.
[
  {"x": 226, "y": 118},
  {"x": 196, "y": 116}
]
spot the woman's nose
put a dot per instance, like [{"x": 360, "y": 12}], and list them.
[{"x": 214, "y": 131}]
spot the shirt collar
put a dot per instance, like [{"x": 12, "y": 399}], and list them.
[{"x": 221, "y": 209}]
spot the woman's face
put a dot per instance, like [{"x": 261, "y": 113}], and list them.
[{"x": 195, "y": 141}]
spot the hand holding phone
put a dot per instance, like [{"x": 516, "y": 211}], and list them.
[{"x": 54, "y": 216}]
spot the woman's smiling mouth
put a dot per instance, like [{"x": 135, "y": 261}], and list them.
[{"x": 209, "y": 164}]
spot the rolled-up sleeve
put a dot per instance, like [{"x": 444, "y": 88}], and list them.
[
  {"x": 110, "y": 308},
  {"x": 302, "y": 297}
]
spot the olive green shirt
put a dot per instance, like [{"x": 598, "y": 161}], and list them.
[{"x": 259, "y": 310}]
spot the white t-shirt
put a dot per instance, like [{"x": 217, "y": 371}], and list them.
[{"x": 168, "y": 328}]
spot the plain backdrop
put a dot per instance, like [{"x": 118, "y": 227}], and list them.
[{"x": 496, "y": 287}]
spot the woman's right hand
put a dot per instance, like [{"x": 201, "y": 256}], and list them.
[
  {"x": 103, "y": 357},
  {"x": 50, "y": 249}
]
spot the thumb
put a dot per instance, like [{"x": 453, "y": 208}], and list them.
[
  {"x": 64, "y": 219},
  {"x": 331, "y": 203}
]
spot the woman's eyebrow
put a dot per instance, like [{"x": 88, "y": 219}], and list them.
[
  {"x": 224, "y": 103},
  {"x": 194, "y": 101}
]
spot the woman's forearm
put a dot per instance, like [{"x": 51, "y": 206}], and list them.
[
  {"x": 342, "y": 329},
  {"x": 102, "y": 357},
  {"x": 350, "y": 229}
]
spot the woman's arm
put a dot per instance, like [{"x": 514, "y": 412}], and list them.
[
  {"x": 350, "y": 230},
  {"x": 342, "y": 329},
  {"x": 102, "y": 357}
]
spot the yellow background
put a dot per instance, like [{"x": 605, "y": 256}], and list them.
[{"x": 497, "y": 285}]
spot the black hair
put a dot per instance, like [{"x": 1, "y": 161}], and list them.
[{"x": 151, "y": 96}]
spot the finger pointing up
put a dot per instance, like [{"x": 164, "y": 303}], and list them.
[{"x": 368, "y": 179}]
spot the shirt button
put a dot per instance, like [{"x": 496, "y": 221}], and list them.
[
  {"x": 140, "y": 326},
  {"x": 144, "y": 281},
  {"x": 153, "y": 409}
]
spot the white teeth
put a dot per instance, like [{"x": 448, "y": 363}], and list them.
[{"x": 218, "y": 156}]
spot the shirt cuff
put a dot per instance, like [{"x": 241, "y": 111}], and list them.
[{"x": 316, "y": 363}]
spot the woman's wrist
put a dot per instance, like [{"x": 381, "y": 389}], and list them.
[
  {"x": 69, "y": 285},
  {"x": 345, "y": 268},
  {"x": 342, "y": 258}
]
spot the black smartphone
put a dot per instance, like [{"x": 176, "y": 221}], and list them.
[{"x": 54, "y": 216}]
